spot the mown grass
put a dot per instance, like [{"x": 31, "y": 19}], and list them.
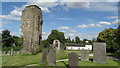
[
  {"x": 25, "y": 59},
  {"x": 90, "y": 63}
]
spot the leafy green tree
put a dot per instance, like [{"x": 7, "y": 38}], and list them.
[
  {"x": 108, "y": 36},
  {"x": 18, "y": 40},
  {"x": 56, "y": 35},
  {"x": 73, "y": 41},
  {"x": 118, "y": 37},
  {"x": 7, "y": 39},
  {"x": 68, "y": 40},
  {"x": 84, "y": 40},
  {"x": 77, "y": 39},
  {"x": 45, "y": 43}
]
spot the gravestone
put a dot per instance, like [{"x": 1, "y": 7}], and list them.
[
  {"x": 99, "y": 53},
  {"x": 31, "y": 27},
  {"x": 73, "y": 60},
  {"x": 84, "y": 55},
  {"x": 11, "y": 52},
  {"x": 44, "y": 56},
  {"x": 52, "y": 57}
]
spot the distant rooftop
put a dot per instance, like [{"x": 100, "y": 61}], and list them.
[{"x": 78, "y": 44}]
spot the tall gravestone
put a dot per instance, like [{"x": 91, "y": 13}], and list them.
[
  {"x": 73, "y": 60},
  {"x": 99, "y": 53},
  {"x": 84, "y": 55},
  {"x": 44, "y": 56},
  {"x": 11, "y": 52},
  {"x": 52, "y": 57},
  {"x": 31, "y": 27}
]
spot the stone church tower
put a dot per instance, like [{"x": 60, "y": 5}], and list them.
[{"x": 31, "y": 27}]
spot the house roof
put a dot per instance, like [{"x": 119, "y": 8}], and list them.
[{"x": 77, "y": 44}]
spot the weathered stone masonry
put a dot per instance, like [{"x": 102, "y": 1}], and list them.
[{"x": 31, "y": 26}]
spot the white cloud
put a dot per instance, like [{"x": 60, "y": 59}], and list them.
[
  {"x": 116, "y": 22},
  {"x": 73, "y": 31},
  {"x": 68, "y": 5},
  {"x": 112, "y": 17},
  {"x": 9, "y": 17},
  {"x": 16, "y": 13},
  {"x": 104, "y": 6},
  {"x": 63, "y": 28},
  {"x": 65, "y": 18},
  {"x": 63, "y": 31},
  {"x": 91, "y": 25},
  {"x": 105, "y": 23},
  {"x": 98, "y": 25},
  {"x": 82, "y": 26},
  {"x": 45, "y": 35},
  {"x": 81, "y": 35},
  {"x": 16, "y": 33},
  {"x": 70, "y": 34}
]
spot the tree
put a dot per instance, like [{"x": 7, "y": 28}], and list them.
[
  {"x": 73, "y": 41},
  {"x": 77, "y": 39},
  {"x": 68, "y": 40},
  {"x": 18, "y": 40},
  {"x": 84, "y": 40},
  {"x": 108, "y": 36},
  {"x": 56, "y": 35},
  {"x": 118, "y": 37},
  {"x": 45, "y": 43},
  {"x": 7, "y": 40}
]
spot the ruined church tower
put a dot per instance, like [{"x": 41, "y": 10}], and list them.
[{"x": 31, "y": 27}]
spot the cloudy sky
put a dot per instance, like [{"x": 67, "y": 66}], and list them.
[{"x": 83, "y": 19}]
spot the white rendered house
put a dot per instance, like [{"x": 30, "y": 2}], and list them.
[{"x": 78, "y": 46}]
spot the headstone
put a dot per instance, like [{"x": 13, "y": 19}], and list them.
[
  {"x": 44, "y": 56},
  {"x": 73, "y": 60},
  {"x": 31, "y": 28},
  {"x": 18, "y": 52},
  {"x": 52, "y": 57},
  {"x": 99, "y": 53},
  {"x": 11, "y": 52},
  {"x": 84, "y": 55}
]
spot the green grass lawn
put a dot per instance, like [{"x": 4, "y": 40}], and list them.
[
  {"x": 21, "y": 60},
  {"x": 90, "y": 63}
]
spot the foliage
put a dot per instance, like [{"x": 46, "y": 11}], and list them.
[
  {"x": 77, "y": 39},
  {"x": 68, "y": 40},
  {"x": 56, "y": 35},
  {"x": 118, "y": 37},
  {"x": 18, "y": 40},
  {"x": 108, "y": 36},
  {"x": 7, "y": 39},
  {"x": 45, "y": 43},
  {"x": 16, "y": 48}
]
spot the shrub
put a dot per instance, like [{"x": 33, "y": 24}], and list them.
[{"x": 18, "y": 48}]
